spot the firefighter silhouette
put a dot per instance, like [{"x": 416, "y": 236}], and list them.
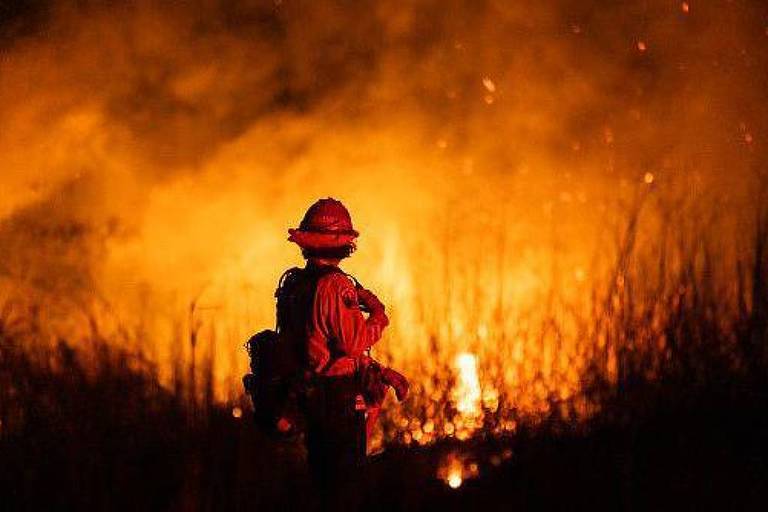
[{"x": 314, "y": 373}]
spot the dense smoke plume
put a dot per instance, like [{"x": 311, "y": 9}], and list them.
[{"x": 153, "y": 155}]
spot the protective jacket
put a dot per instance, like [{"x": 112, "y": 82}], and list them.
[{"x": 320, "y": 318}]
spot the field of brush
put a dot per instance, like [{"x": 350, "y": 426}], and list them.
[
  {"x": 114, "y": 440},
  {"x": 670, "y": 412}
]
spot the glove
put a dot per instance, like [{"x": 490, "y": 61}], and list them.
[{"x": 398, "y": 382}]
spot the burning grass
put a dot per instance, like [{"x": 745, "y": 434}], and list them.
[
  {"x": 673, "y": 307},
  {"x": 675, "y": 328}
]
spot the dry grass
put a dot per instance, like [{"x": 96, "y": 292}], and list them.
[{"x": 677, "y": 329}]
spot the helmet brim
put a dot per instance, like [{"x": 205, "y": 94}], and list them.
[{"x": 321, "y": 240}]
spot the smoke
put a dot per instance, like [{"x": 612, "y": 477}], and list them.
[{"x": 155, "y": 154}]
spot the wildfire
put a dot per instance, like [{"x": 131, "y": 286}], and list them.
[
  {"x": 467, "y": 392},
  {"x": 467, "y": 395},
  {"x": 146, "y": 204},
  {"x": 454, "y": 479},
  {"x": 454, "y": 470}
]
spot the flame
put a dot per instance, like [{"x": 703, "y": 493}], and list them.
[
  {"x": 454, "y": 478},
  {"x": 147, "y": 204},
  {"x": 454, "y": 469},
  {"x": 467, "y": 394}
]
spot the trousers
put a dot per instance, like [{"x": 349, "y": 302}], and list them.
[{"x": 335, "y": 439}]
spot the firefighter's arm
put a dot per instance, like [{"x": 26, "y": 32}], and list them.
[
  {"x": 337, "y": 304},
  {"x": 374, "y": 306}
]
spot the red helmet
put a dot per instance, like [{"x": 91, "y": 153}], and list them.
[{"x": 327, "y": 224}]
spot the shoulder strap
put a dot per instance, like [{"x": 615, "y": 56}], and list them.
[
  {"x": 290, "y": 274},
  {"x": 294, "y": 274},
  {"x": 353, "y": 278}
]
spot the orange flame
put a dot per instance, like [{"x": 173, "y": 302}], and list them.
[{"x": 154, "y": 157}]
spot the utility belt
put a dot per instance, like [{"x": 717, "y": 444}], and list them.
[
  {"x": 365, "y": 380},
  {"x": 332, "y": 395}
]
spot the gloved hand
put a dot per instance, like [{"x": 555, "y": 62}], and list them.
[{"x": 398, "y": 381}]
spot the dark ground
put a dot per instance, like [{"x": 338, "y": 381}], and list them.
[
  {"x": 709, "y": 456},
  {"x": 654, "y": 448}
]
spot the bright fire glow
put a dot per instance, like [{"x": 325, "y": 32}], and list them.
[
  {"x": 467, "y": 394},
  {"x": 153, "y": 158},
  {"x": 468, "y": 388},
  {"x": 454, "y": 479},
  {"x": 454, "y": 469}
]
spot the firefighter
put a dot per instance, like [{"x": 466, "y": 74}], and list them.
[{"x": 321, "y": 321}]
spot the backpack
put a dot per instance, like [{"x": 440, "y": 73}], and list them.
[{"x": 278, "y": 374}]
